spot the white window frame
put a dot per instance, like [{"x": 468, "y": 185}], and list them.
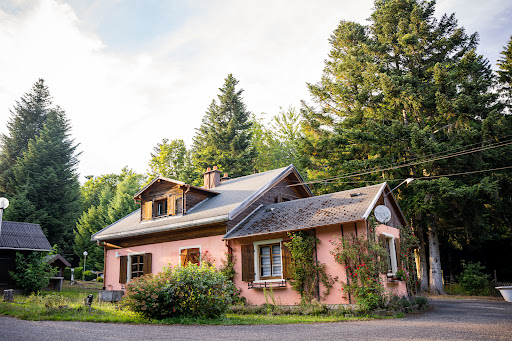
[
  {"x": 190, "y": 247},
  {"x": 390, "y": 239},
  {"x": 129, "y": 264},
  {"x": 257, "y": 260}
]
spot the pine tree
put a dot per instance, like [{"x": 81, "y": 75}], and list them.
[
  {"x": 27, "y": 119},
  {"x": 224, "y": 138},
  {"x": 45, "y": 182},
  {"x": 505, "y": 72},
  {"x": 404, "y": 87}
]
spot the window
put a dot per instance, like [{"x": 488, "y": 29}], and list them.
[
  {"x": 136, "y": 266},
  {"x": 391, "y": 244},
  {"x": 190, "y": 255},
  {"x": 178, "y": 204},
  {"x": 270, "y": 261},
  {"x": 161, "y": 208}
]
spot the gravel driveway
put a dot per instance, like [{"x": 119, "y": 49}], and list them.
[{"x": 449, "y": 320}]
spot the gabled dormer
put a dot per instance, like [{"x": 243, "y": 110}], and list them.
[{"x": 164, "y": 197}]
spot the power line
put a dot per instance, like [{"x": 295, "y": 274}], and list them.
[
  {"x": 424, "y": 177},
  {"x": 460, "y": 153}
]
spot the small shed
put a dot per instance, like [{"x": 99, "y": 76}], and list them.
[
  {"x": 57, "y": 261},
  {"x": 18, "y": 237}
]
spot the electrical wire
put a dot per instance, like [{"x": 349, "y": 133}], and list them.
[{"x": 460, "y": 153}]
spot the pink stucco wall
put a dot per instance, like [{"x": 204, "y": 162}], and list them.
[
  {"x": 163, "y": 254},
  {"x": 167, "y": 253}
]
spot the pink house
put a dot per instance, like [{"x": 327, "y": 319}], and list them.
[{"x": 249, "y": 217}]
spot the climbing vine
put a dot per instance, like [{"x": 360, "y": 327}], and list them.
[
  {"x": 363, "y": 259},
  {"x": 408, "y": 243},
  {"x": 305, "y": 272}
]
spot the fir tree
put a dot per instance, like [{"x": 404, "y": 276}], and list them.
[
  {"x": 27, "y": 119},
  {"x": 505, "y": 72},
  {"x": 45, "y": 182},
  {"x": 405, "y": 87},
  {"x": 224, "y": 138}
]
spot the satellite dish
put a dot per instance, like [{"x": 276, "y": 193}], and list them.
[
  {"x": 382, "y": 213},
  {"x": 4, "y": 203}
]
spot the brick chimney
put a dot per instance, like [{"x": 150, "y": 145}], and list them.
[
  {"x": 224, "y": 178},
  {"x": 211, "y": 177}
]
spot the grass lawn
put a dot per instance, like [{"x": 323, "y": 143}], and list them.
[{"x": 68, "y": 306}]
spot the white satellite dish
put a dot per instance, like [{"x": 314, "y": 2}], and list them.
[
  {"x": 4, "y": 203},
  {"x": 382, "y": 213}
]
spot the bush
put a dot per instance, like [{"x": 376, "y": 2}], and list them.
[
  {"x": 420, "y": 301},
  {"x": 472, "y": 279},
  {"x": 67, "y": 274},
  {"x": 78, "y": 273},
  {"x": 32, "y": 271},
  {"x": 89, "y": 276},
  {"x": 100, "y": 279},
  {"x": 192, "y": 290}
]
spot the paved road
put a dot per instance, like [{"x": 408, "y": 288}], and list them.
[{"x": 449, "y": 320}]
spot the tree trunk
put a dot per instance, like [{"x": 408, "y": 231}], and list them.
[
  {"x": 421, "y": 260},
  {"x": 436, "y": 278}
]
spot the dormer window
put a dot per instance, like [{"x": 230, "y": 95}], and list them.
[{"x": 161, "y": 208}]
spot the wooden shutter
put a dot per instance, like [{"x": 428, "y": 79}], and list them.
[
  {"x": 146, "y": 267},
  {"x": 123, "y": 265},
  {"x": 148, "y": 210},
  {"x": 247, "y": 263},
  {"x": 287, "y": 259},
  {"x": 397, "y": 250},
  {"x": 184, "y": 257},
  {"x": 171, "y": 205}
]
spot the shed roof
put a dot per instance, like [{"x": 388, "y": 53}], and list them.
[
  {"x": 53, "y": 260},
  {"x": 334, "y": 208},
  {"x": 23, "y": 236},
  {"x": 233, "y": 196}
]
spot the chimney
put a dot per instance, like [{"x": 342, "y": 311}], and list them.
[
  {"x": 224, "y": 178},
  {"x": 211, "y": 178}
]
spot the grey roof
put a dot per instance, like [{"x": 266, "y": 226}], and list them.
[
  {"x": 23, "y": 236},
  {"x": 328, "y": 209},
  {"x": 234, "y": 196},
  {"x": 55, "y": 258}
]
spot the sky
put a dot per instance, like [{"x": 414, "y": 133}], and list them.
[{"x": 130, "y": 73}]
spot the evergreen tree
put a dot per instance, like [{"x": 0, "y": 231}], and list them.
[
  {"x": 171, "y": 160},
  {"x": 112, "y": 204},
  {"x": 224, "y": 138},
  {"x": 45, "y": 182},
  {"x": 27, "y": 119},
  {"x": 505, "y": 72},
  {"x": 402, "y": 88}
]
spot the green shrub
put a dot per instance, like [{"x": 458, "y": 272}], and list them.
[
  {"x": 78, "y": 273},
  {"x": 100, "y": 279},
  {"x": 32, "y": 271},
  {"x": 191, "y": 290},
  {"x": 67, "y": 274},
  {"x": 420, "y": 301},
  {"x": 89, "y": 276},
  {"x": 472, "y": 279}
]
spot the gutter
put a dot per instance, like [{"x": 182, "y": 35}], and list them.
[{"x": 23, "y": 249}]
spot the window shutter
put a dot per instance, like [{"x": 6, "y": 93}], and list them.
[
  {"x": 397, "y": 250},
  {"x": 184, "y": 257},
  {"x": 171, "y": 205},
  {"x": 123, "y": 265},
  {"x": 148, "y": 208},
  {"x": 287, "y": 260},
  {"x": 247, "y": 263},
  {"x": 146, "y": 268}
]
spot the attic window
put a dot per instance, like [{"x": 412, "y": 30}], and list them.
[
  {"x": 355, "y": 194},
  {"x": 161, "y": 208}
]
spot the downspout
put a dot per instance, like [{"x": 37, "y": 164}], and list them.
[{"x": 184, "y": 199}]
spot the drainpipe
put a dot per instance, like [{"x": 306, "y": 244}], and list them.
[{"x": 4, "y": 203}]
